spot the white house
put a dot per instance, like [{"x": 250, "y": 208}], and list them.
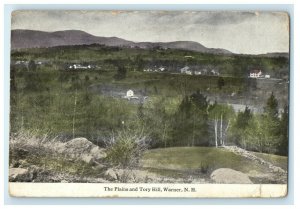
[
  {"x": 198, "y": 72},
  {"x": 162, "y": 69},
  {"x": 214, "y": 72},
  {"x": 129, "y": 93},
  {"x": 79, "y": 66},
  {"x": 184, "y": 69},
  {"x": 255, "y": 73},
  {"x": 188, "y": 72}
]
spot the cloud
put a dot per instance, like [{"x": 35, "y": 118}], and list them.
[{"x": 238, "y": 31}]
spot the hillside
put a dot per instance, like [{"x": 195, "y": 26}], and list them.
[
  {"x": 35, "y": 159},
  {"x": 38, "y": 39}
]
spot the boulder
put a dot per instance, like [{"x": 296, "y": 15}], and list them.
[
  {"x": 229, "y": 176},
  {"x": 83, "y": 149},
  {"x": 20, "y": 175},
  {"x": 110, "y": 174}
]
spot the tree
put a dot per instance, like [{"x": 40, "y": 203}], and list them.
[
  {"x": 140, "y": 112},
  {"x": 222, "y": 117},
  {"x": 158, "y": 122},
  {"x": 258, "y": 135},
  {"x": 190, "y": 126},
  {"x": 31, "y": 65},
  {"x": 284, "y": 132},
  {"x": 239, "y": 126},
  {"x": 121, "y": 73},
  {"x": 262, "y": 132},
  {"x": 13, "y": 72},
  {"x": 272, "y": 116},
  {"x": 221, "y": 82},
  {"x": 271, "y": 107}
]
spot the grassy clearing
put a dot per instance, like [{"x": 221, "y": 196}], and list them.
[
  {"x": 185, "y": 158},
  {"x": 277, "y": 160}
]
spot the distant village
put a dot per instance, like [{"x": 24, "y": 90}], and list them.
[{"x": 187, "y": 70}]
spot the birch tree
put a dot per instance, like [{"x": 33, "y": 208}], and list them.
[{"x": 221, "y": 116}]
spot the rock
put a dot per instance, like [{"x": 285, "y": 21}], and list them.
[
  {"x": 229, "y": 176},
  {"x": 83, "y": 149},
  {"x": 110, "y": 174},
  {"x": 121, "y": 175},
  {"x": 87, "y": 158},
  {"x": 278, "y": 170},
  {"x": 130, "y": 175},
  {"x": 20, "y": 175},
  {"x": 23, "y": 164}
]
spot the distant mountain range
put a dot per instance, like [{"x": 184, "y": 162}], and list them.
[{"x": 21, "y": 39}]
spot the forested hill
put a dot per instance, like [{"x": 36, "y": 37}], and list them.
[{"x": 39, "y": 39}]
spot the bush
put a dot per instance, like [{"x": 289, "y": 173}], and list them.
[
  {"x": 126, "y": 148},
  {"x": 204, "y": 168}
]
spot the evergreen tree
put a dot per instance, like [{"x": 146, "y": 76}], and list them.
[
  {"x": 221, "y": 82},
  {"x": 241, "y": 123},
  {"x": 191, "y": 121},
  {"x": 271, "y": 107},
  {"x": 243, "y": 118},
  {"x": 121, "y": 73},
  {"x": 263, "y": 132},
  {"x": 31, "y": 65},
  {"x": 284, "y": 131}
]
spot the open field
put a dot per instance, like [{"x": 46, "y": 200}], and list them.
[
  {"x": 184, "y": 162},
  {"x": 185, "y": 158}
]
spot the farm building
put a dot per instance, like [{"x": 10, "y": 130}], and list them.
[
  {"x": 79, "y": 66},
  {"x": 255, "y": 73},
  {"x": 129, "y": 93},
  {"x": 186, "y": 70}
]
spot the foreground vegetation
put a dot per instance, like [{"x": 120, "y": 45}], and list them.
[{"x": 127, "y": 160}]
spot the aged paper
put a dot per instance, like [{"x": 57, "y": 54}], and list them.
[{"x": 149, "y": 103}]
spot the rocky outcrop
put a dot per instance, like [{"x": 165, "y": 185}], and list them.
[
  {"x": 111, "y": 175},
  {"x": 251, "y": 156},
  {"x": 20, "y": 174},
  {"x": 229, "y": 176},
  {"x": 81, "y": 148}
]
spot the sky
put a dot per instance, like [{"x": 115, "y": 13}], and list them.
[{"x": 247, "y": 32}]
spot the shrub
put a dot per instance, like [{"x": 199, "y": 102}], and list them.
[
  {"x": 204, "y": 168},
  {"x": 126, "y": 148}
]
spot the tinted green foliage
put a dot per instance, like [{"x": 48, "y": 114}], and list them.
[
  {"x": 52, "y": 98},
  {"x": 190, "y": 127},
  {"x": 271, "y": 108},
  {"x": 262, "y": 133},
  {"x": 137, "y": 59}
]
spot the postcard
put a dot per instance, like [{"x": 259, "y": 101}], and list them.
[{"x": 155, "y": 103}]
